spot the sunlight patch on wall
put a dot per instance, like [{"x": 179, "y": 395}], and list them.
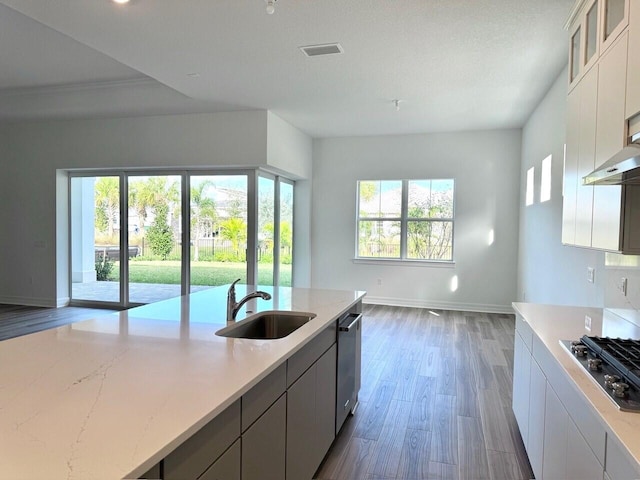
[
  {"x": 545, "y": 181},
  {"x": 491, "y": 237},
  {"x": 529, "y": 190},
  {"x": 454, "y": 283}
]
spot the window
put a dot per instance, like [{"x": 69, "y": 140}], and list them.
[{"x": 405, "y": 219}]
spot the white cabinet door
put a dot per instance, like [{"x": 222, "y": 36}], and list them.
[
  {"x": 570, "y": 178},
  {"x": 537, "y": 391},
  {"x": 633, "y": 65},
  {"x": 610, "y": 139},
  {"x": 588, "y": 87},
  {"x": 556, "y": 424},
  {"x": 581, "y": 461},
  {"x": 521, "y": 386}
]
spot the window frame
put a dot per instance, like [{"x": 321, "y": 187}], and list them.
[{"x": 404, "y": 219}]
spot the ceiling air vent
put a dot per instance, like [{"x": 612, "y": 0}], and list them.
[{"x": 326, "y": 49}]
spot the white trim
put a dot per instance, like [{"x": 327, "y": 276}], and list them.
[
  {"x": 76, "y": 87},
  {"x": 577, "y": 7},
  {"x": 434, "y": 304},
  {"x": 35, "y": 302},
  {"x": 396, "y": 262}
]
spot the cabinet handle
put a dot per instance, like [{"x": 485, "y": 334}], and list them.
[
  {"x": 611, "y": 170},
  {"x": 348, "y": 328}
]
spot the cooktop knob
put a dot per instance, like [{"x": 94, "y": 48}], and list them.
[
  {"x": 580, "y": 350},
  {"x": 620, "y": 389},
  {"x": 594, "y": 364},
  {"x": 609, "y": 380}
]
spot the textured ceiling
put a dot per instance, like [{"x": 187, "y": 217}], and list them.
[{"x": 455, "y": 65}]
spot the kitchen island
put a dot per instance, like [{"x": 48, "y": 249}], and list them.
[
  {"x": 570, "y": 427},
  {"x": 113, "y": 396}
]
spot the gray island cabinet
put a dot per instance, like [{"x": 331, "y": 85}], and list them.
[{"x": 280, "y": 429}]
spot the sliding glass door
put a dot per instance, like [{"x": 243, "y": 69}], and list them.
[{"x": 140, "y": 237}]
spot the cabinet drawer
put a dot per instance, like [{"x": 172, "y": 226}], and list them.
[
  {"x": 195, "y": 455},
  {"x": 525, "y": 331},
  {"x": 620, "y": 466},
  {"x": 257, "y": 400},
  {"x": 304, "y": 358}
]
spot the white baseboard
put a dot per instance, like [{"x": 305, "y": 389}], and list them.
[
  {"x": 464, "y": 307},
  {"x": 31, "y": 301}
]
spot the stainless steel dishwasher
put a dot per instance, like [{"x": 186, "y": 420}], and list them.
[{"x": 348, "y": 375}]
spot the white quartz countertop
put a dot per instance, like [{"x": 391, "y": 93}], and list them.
[
  {"x": 111, "y": 396},
  {"x": 553, "y": 323}
]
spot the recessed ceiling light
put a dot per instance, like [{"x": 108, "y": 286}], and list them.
[{"x": 121, "y": 2}]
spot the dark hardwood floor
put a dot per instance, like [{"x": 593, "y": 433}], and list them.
[
  {"x": 435, "y": 401},
  {"x": 17, "y": 320}
]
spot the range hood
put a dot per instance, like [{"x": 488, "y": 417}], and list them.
[{"x": 623, "y": 168}]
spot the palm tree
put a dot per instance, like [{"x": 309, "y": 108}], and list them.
[
  {"x": 203, "y": 214},
  {"x": 234, "y": 230},
  {"x": 107, "y": 201}
]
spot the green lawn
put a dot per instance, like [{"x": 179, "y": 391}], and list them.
[{"x": 202, "y": 273}]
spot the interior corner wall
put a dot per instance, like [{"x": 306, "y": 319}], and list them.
[
  {"x": 33, "y": 250},
  {"x": 486, "y": 169},
  {"x": 549, "y": 272}
]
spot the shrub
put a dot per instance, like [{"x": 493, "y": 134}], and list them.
[{"x": 104, "y": 267}]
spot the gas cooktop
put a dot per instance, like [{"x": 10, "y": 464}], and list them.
[{"x": 614, "y": 364}]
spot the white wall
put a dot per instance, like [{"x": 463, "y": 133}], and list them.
[
  {"x": 33, "y": 252},
  {"x": 486, "y": 167},
  {"x": 549, "y": 272}
]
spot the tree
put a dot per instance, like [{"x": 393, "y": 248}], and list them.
[
  {"x": 234, "y": 230},
  {"x": 159, "y": 234},
  {"x": 203, "y": 214},
  {"x": 107, "y": 201}
]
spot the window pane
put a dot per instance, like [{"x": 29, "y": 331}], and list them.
[
  {"x": 379, "y": 239},
  {"x": 266, "y": 229},
  {"x": 592, "y": 29},
  {"x": 380, "y": 199},
  {"x": 95, "y": 238},
  {"x": 575, "y": 55},
  {"x": 430, "y": 240},
  {"x": 154, "y": 224},
  {"x": 218, "y": 230},
  {"x": 430, "y": 199},
  {"x": 286, "y": 233},
  {"x": 614, "y": 14}
]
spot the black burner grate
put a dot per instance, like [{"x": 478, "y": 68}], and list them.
[{"x": 623, "y": 355}]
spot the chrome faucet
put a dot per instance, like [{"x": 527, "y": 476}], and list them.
[{"x": 233, "y": 307}]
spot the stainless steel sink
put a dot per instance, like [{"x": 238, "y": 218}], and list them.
[{"x": 267, "y": 325}]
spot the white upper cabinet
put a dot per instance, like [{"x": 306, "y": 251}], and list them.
[
  {"x": 604, "y": 92},
  {"x": 633, "y": 62}
]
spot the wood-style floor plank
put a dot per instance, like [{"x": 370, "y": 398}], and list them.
[{"x": 435, "y": 400}]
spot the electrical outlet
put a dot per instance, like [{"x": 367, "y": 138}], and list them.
[
  {"x": 591, "y": 274},
  {"x": 587, "y": 322},
  {"x": 379, "y": 281},
  {"x": 622, "y": 286}
]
